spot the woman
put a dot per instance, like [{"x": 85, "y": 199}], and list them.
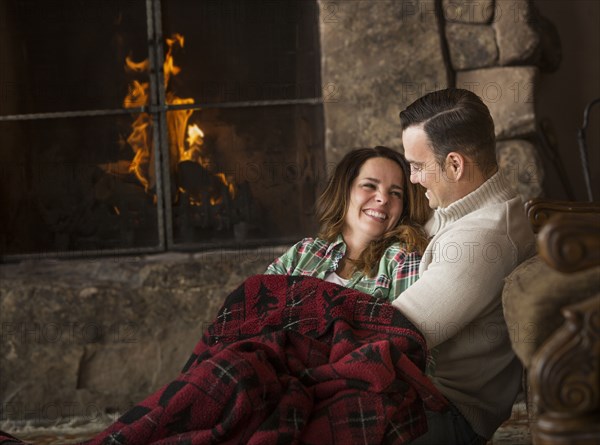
[
  {"x": 272, "y": 368},
  {"x": 371, "y": 217}
]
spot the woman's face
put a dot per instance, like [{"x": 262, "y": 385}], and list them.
[{"x": 375, "y": 203}]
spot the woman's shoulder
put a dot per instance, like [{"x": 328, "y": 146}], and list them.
[
  {"x": 297, "y": 254},
  {"x": 310, "y": 244},
  {"x": 399, "y": 251},
  {"x": 309, "y": 248}
]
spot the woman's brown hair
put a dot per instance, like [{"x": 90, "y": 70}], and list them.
[{"x": 332, "y": 206}]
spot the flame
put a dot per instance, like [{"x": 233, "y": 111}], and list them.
[
  {"x": 177, "y": 122},
  {"x": 181, "y": 148},
  {"x": 169, "y": 67},
  {"x": 139, "y": 142},
  {"x": 195, "y": 135},
  {"x": 137, "y": 95},
  {"x": 227, "y": 183},
  {"x": 140, "y": 138},
  {"x": 216, "y": 200},
  {"x": 138, "y": 67}
]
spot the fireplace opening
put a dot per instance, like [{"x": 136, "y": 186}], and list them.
[{"x": 144, "y": 126}]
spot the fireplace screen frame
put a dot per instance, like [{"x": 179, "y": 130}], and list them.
[{"x": 157, "y": 108}]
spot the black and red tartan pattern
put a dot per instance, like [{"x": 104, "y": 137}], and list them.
[{"x": 291, "y": 360}]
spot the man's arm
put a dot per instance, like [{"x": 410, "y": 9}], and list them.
[{"x": 463, "y": 280}]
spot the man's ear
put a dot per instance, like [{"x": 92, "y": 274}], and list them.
[{"x": 455, "y": 165}]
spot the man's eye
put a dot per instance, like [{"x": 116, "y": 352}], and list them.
[{"x": 416, "y": 167}]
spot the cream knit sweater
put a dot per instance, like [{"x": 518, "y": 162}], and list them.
[{"x": 456, "y": 303}]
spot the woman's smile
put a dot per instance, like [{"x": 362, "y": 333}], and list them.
[{"x": 375, "y": 202}]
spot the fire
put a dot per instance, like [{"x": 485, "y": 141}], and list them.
[
  {"x": 140, "y": 67},
  {"x": 186, "y": 140},
  {"x": 140, "y": 138},
  {"x": 169, "y": 67},
  {"x": 227, "y": 183},
  {"x": 195, "y": 135}
]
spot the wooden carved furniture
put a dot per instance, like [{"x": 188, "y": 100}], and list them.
[
  {"x": 564, "y": 379},
  {"x": 552, "y": 308}
]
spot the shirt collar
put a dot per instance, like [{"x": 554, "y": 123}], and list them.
[{"x": 338, "y": 244}]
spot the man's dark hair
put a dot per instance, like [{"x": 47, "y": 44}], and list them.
[{"x": 455, "y": 120}]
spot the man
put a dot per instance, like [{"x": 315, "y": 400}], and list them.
[{"x": 479, "y": 234}]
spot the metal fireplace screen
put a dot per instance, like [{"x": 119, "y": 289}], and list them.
[{"x": 144, "y": 126}]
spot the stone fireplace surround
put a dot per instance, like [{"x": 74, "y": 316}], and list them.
[{"x": 73, "y": 332}]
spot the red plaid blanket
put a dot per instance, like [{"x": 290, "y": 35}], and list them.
[{"x": 291, "y": 360}]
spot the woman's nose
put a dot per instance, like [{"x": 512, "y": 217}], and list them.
[{"x": 381, "y": 196}]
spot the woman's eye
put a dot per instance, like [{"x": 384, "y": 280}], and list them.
[
  {"x": 369, "y": 185},
  {"x": 397, "y": 194}
]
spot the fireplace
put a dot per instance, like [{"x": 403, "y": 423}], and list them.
[{"x": 145, "y": 126}]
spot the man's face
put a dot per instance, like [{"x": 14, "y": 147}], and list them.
[{"x": 424, "y": 168}]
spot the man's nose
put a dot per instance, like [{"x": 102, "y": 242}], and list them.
[{"x": 415, "y": 177}]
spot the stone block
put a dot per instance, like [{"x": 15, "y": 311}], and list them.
[
  {"x": 377, "y": 58},
  {"x": 518, "y": 40},
  {"x": 471, "y": 46},
  {"x": 468, "y": 11},
  {"x": 520, "y": 162},
  {"x": 509, "y": 94},
  {"x": 88, "y": 337}
]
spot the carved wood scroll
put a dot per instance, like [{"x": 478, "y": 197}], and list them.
[
  {"x": 540, "y": 210},
  {"x": 564, "y": 379},
  {"x": 571, "y": 242}
]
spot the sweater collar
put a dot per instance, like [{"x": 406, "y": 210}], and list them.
[{"x": 495, "y": 190}]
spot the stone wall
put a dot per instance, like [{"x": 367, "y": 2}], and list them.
[{"x": 378, "y": 57}]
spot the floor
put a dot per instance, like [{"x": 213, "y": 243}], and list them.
[{"x": 514, "y": 431}]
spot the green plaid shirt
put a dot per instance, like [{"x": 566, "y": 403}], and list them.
[{"x": 397, "y": 269}]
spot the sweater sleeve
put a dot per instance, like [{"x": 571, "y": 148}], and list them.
[{"x": 463, "y": 279}]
